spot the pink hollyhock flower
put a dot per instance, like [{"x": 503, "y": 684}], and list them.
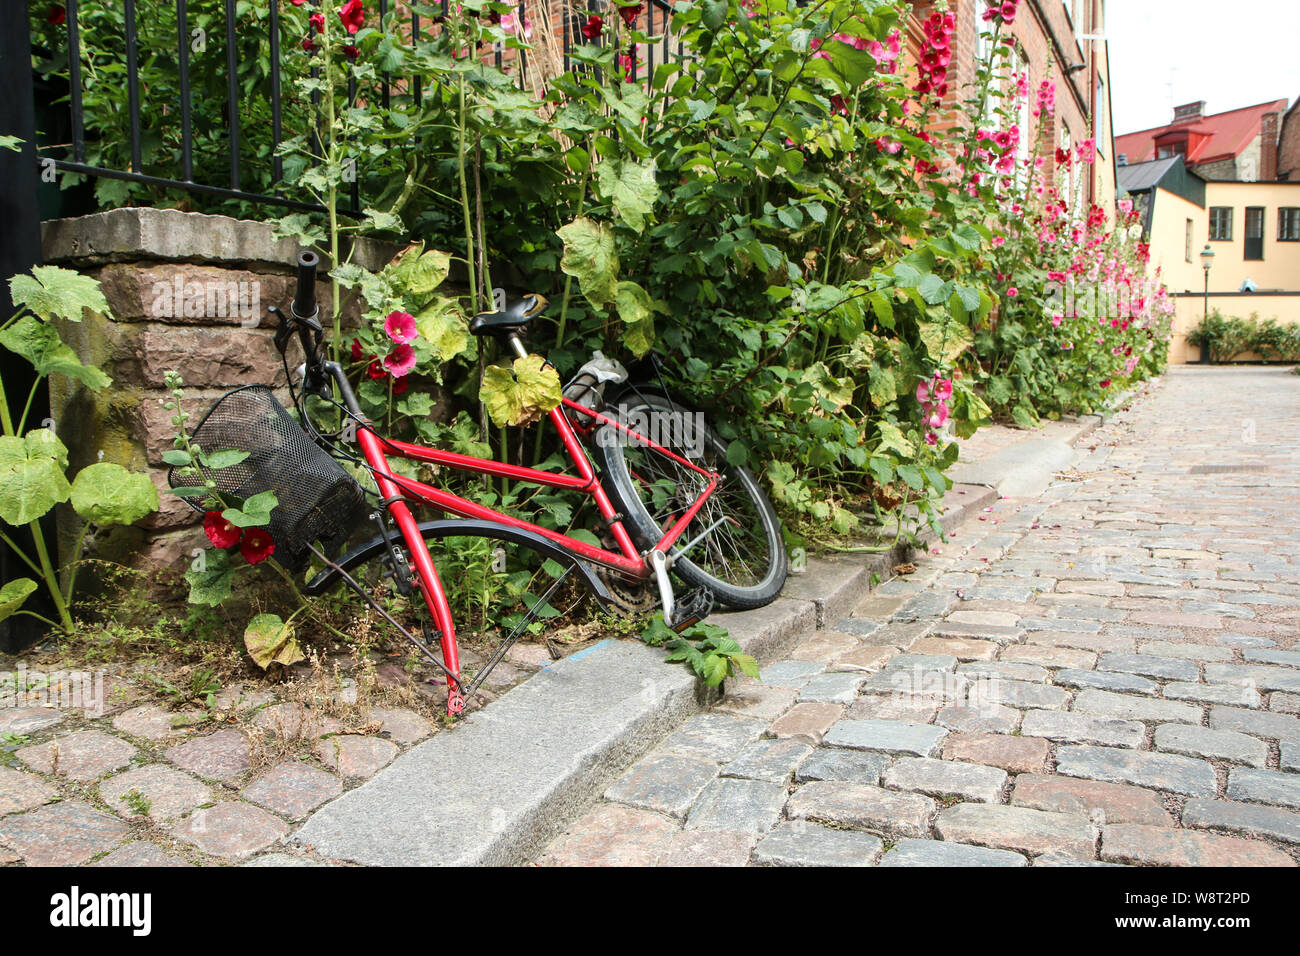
[
  {"x": 353, "y": 16},
  {"x": 931, "y": 438},
  {"x": 923, "y": 392},
  {"x": 938, "y": 415},
  {"x": 1125, "y": 206},
  {"x": 1088, "y": 151},
  {"x": 1013, "y": 292},
  {"x": 1056, "y": 321},
  {"x": 999, "y": 241},
  {"x": 400, "y": 361},
  {"x": 400, "y": 327},
  {"x": 943, "y": 389}
]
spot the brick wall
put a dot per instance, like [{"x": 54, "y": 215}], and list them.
[{"x": 1288, "y": 149}]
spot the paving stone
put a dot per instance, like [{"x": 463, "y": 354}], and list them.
[
  {"x": 1048, "y": 656},
  {"x": 1244, "y": 640},
  {"x": 140, "y": 854},
  {"x": 1004, "y": 670},
  {"x": 790, "y": 673},
  {"x": 914, "y": 709},
  {"x": 402, "y": 726},
  {"x": 1100, "y": 703},
  {"x": 1167, "y": 846},
  {"x": 21, "y": 791},
  {"x": 1260, "y": 677},
  {"x": 1100, "y": 802},
  {"x": 1243, "y": 819},
  {"x": 168, "y": 793},
  {"x": 1059, "y": 624},
  {"x": 221, "y": 756},
  {"x": 610, "y": 834},
  {"x": 1019, "y": 694},
  {"x": 916, "y": 682},
  {"x": 1283, "y": 658},
  {"x": 1165, "y": 668},
  {"x": 1213, "y": 694},
  {"x": 1284, "y": 703},
  {"x": 996, "y": 592},
  {"x": 1265, "y": 786},
  {"x": 1096, "y": 643},
  {"x": 990, "y": 718},
  {"x": 838, "y": 763},
  {"x": 1106, "y": 680},
  {"x": 84, "y": 756},
  {"x": 1290, "y": 756},
  {"x": 1021, "y": 829},
  {"x": 757, "y": 701},
  {"x": 889, "y": 736},
  {"x": 529, "y": 655},
  {"x": 668, "y": 783},
  {"x": 963, "y": 649},
  {"x": 1012, "y": 754},
  {"x": 924, "y": 605},
  {"x": 291, "y": 720},
  {"x": 840, "y": 687},
  {"x": 861, "y": 807},
  {"x": 1212, "y": 744},
  {"x": 998, "y": 633},
  {"x": 24, "y": 721},
  {"x": 353, "y": 755},
  {"x": 293, "y": 789},
  {"x": 62, "y": 834},
  {"x": 1075, "y": 728},
  {"x": 870, "y": 659},
  {"x": 807, "y": 722},
  {"x": 773, "y": 760},
  {"x": 717, "y": 737},
  {"x": 1256, "y": 723},
  {"x": 231, "y": 830},
  {"x": 707, "y": 848},
  {"x": 807, "y": 844},
  {"x": 733, "y": 804},
  {"x": 147, "y": 722},
  {"x": 1176, "y": 774},
  {"x": 943, "y": 853},
  {"x": 939, "y": 778},
  {"x": 1190, "y": 652},
  {"x": 825, "y": 646}
]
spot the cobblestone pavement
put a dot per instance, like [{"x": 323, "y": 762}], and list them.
[{"x": 1105, "y": 674}]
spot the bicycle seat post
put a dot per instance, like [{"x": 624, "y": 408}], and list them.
[{"x": 517, "y": 345}]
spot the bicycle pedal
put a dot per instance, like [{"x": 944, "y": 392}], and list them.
[{"x": 692, "y": 608}]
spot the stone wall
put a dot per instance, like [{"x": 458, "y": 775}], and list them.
[{"x": 189, "y": 293}]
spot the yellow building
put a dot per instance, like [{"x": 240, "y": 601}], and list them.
[{"x": 1253, "y": 229}]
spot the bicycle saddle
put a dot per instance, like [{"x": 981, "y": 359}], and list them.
[{"x": 513, "y": 319}]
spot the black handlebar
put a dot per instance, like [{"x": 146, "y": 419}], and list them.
[{"x": 304, "y": 299}]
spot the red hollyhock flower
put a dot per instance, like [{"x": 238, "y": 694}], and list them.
[
  {"x": 257, "y": 546},
  {"x": 400, "y": 385},
  {"x": 351, "y": 52},
  {"x": 318, "y": 21},
  {"x": 353, "y": 16},
  {"x": 591, "y": 29},
  {"x": 356, "y": 350},
  {"x": 629, "y": 14},
  {"x": 57, "y": 15},
  {"x": 376, "y": 370},
  {"x": 220, "y": 532},
  {"x": 309, "y": 44}
]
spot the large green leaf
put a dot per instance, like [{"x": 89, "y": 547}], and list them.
[
  {"x": 521, "y": 394},
  {"x": 591, "y": 257},
  {"x": 51, "y": 292},
  {"x": 40, "y": 344},
  {"x": 270, "y": 640},
  {"x": 13, "y": 594},
  {"x": 442, "y": 325},
  {"x": 629, "y": 187},
  {"x": 944, "y": 340},
  {"x": 31, "y": 476},
  {"x": 636, "y": 309},
  {"x": 421, "y": 273},
  {"x": 108, "y": 494},
  {"x": 210, "y": 582}
]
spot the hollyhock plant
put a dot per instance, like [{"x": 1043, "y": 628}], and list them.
[
  {"x": 400, "y": 361},
  {"x": 400, "y": 327},
  {"x": 56, "y": 15},
  {"x": 220, "y": 532},
  {"x": 257, "y": 546}
]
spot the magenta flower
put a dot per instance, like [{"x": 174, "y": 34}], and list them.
[
  {"x": 400, "y": 327},
  {"x": 400, "y": 361}
]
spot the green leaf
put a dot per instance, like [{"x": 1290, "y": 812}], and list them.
[
  {"x": 50, "y": 292},
  {"x": 636, "y": 309},
  {"x": 225, "y": 458},
  {"x": 442, "y": 324},
  {"x": 180, "y": 459},
  {"x": 270, "y": 640},
  {"x": 108, "y": 494},
  {"x": 630, "y": 187},
  {"x": 747, "y": 665},
  {"x": 421, "y": 273},
  {"x": 656, "y": 632},
  {"x": 31, "y": 476},
  {"x": 254, "y": 513},
  {"x": 521, "y": 394},
  {"x": 590, "y": 257},
  {"x": 40, "y": 344},
  {"x": 944, "y": 340},
  {"x": 715, "y": 669},
  {"x": 13, "y": 594},
  {"x": 211, "y": 585}
]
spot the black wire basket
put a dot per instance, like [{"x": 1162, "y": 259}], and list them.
[{"x": 319, "y": 502}]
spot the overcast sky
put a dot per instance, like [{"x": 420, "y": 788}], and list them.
[{"x": 1165, "y": 53}]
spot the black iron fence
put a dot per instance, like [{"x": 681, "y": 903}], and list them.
[{"x": 216, "y": 167}]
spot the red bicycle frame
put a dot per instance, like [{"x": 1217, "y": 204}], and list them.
[{"x": 401, "y": 492}]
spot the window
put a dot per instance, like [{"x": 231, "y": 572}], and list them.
[
  {"x": 1288, "y": 224},
  {"x": 1187, "y": 242},
  {"x": 1254, "y": 232},
  {"x": 1220, "y": 223}
]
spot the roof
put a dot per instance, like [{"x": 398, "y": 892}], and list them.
[
  {"x": 1142, "y": 176},
  {"x": 1222, "y": 135}
]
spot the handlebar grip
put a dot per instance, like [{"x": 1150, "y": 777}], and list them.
[{"x": 304, "y": 299}]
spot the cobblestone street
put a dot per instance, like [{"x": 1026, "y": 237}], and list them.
[{"x": 1107, "y": 673}]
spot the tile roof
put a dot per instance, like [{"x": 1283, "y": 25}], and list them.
[{"x": 1226, "y": 134}]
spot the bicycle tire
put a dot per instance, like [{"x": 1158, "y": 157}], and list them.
[{"x": 755, "y": 572}]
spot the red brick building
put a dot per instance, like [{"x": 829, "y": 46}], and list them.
[{"x": 1058, "y": 40}]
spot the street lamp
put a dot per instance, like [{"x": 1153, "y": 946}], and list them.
[{"x": 1207, "y": 259}]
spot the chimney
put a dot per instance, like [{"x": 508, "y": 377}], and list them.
[
  {"x": 1268, "y": 146},
  {"x": 1121, "y": 159},
  {"x": 1189, "y": 113}
]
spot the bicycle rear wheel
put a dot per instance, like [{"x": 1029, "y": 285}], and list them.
[{"x": 734, "y": 544}]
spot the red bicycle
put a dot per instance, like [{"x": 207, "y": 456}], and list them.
[{"x": 667, "y": 498}]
